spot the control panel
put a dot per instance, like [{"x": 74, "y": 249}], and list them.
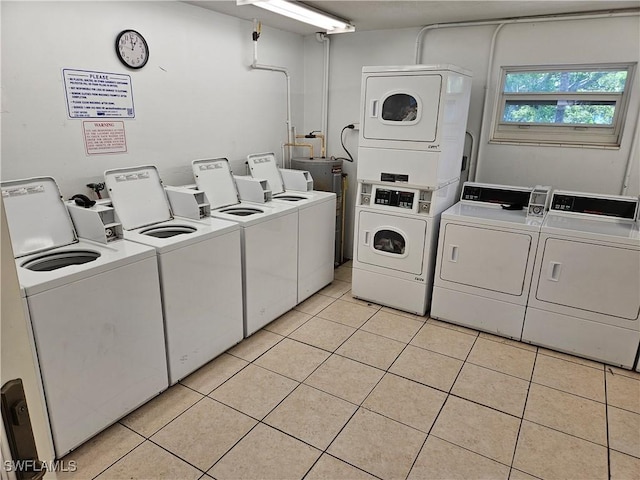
[
  {"x": 394, "y": 198},
  {"x": 405, "y": 199},
  {"x": 539, "y": 201},
  {"x": 617, "y": 207},
  {"x": 484, "y": 193}
]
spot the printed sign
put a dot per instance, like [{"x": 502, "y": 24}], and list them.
[
  {"x": 104, "y": 137},
  {"x": 98, "y": 94}
]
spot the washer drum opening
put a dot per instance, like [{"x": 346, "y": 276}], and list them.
[
  {"x": 290, "y": 198},
  {"x": 168, "y": 231},
  {"x": 54, "y": 261},
  {"x": 241, "y": 212}
]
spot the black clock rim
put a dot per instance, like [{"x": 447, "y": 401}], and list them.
[{"x": 146, "y": 46}]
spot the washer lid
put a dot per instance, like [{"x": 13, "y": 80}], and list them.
[
  {"x": 138, "y": 196},
  {"x": 264, "y": 165},
  {"x": 37, "y": 217},
  {"x": 214, "y": 178}
]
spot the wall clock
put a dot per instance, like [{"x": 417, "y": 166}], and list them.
[{"x": 132, "y": 49}]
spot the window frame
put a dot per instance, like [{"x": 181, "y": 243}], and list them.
[{"x": 575, "y": 135}]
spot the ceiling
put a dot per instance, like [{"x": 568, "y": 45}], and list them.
[{"x": 380, "y": 15}]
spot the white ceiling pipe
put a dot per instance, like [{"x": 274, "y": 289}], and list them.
[
  {"x": 257, "y": 66},
  {"x": 324, "y": 38},
  {"x": 632, "y": 156}
]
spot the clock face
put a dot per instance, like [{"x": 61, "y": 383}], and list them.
[{"x": 132, "y": 49}]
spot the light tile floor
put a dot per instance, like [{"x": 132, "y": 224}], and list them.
[{"x": 339, "y": 388}]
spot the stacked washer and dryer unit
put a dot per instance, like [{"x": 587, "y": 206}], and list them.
[{"x": 412, "y": 130}]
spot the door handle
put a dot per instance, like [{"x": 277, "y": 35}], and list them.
[
  {"x": 366, "y": 238},
  {"x": 554, "y": 271},
  {"x": 453, "y": 254},
  {"x": 374, "y": 108}
]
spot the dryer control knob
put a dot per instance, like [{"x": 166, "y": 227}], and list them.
[{"x": 366, "y": 199}]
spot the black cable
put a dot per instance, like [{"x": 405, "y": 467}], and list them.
[{"x": 351, "y": 126}]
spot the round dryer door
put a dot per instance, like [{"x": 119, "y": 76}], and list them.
[{"x": 391, "y": 242}]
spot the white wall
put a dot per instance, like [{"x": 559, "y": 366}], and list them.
[
  {"x": 584, "y": 41},
  {"x": 349, "y": 53},
  {"x": 576, "y": 41},
  {"x": 196, "y": 98}
]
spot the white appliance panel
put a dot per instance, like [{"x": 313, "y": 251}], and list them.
[
  {"x": 578, "y": 336},
  {"x": 478, "y": 312},
  {"x": 214, "y": 178},
  {"x": 264, "y": 166},
  {"x": 138, "y": 196},
  {"x": 407, "y": 295},
  {"x": 38, "y": 218},
  {"x": 390, "y": 241},
  {"x": 100, "y": 347},
  {"x": 404, "y": 108},
  {"x": 316, "y": 245},
  {"x": 597, "y": 278},
  {"x": 202, "y": 301},
  {"x": 489, "y": 259},
  {"x": 270, "y": 270}
]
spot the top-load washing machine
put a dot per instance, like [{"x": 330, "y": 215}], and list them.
[
  {"x": 199, "y": 265},
  {"x": 316, "y": 224},
  {"x": 94, "y": 311},
  {"x": 412, "y": 123},
  {"x": 269, "y": 244},
  {"x": 585, "y": 297},
  {"x": 486, "y": 252}
]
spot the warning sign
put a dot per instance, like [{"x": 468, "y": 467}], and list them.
[{"x": 104, "y": 137}]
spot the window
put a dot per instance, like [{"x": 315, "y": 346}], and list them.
[
  {"x": 400, "y": 107},
  {"x": 582, "y": 105},
  {"x": 389, "y": 241}
]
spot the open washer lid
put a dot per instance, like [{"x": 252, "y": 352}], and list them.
[
  {"x": 264, "y": 165},
  {"x": 37, "y": 217},
  {"x": 138, "y": 196},
  {"x": 214, "y": 178}
]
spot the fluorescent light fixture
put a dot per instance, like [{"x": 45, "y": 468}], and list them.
[{"x": 303, "y": 13}]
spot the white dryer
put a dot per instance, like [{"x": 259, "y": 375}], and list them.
[
  {"x": 316, "y": 225},
  {"x": 269, "y": 244},
  {"x": 486, "y": 251},
  {"x": 395, "y": 243},
  {"x": 199, "y": 265},
  {"x": 412, "y": 123},
  {"x": 95, "y": 315},
  {"x": 585, "y": 297}
]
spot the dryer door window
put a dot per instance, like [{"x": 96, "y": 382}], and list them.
[
  {"x": 597, "y": 278},
  {"x": 402, "y": 107},
  {"x": 391, "y": 242}
]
